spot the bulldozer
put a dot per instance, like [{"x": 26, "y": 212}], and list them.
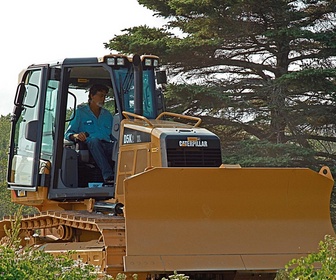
[{"x": 173, "y": 205}]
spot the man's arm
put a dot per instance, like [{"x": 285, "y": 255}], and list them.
[
  {"x": 73, "y": 128},
  {"x": 73, "y": 132}
]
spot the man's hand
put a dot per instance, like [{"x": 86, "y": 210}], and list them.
[{"x": 79, "y": 136}]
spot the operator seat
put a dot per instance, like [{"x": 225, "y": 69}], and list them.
[
  {"x": 80, "y": 166},
  {"x": 88, "y": 171}
]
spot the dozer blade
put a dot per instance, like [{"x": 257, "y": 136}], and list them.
[{"x": 210, "y": 219}]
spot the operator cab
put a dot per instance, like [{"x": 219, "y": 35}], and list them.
[{"x": 47, "y": 99}]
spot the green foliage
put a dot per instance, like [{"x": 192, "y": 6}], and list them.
[
  {"x": 4, "y": 145},
  {"x": 12, "y": 234},
  {"x": 265, "y": 153},
  {"x": 177, "y": 276},
  {"x": 320, "y": 265},
  {"x": 35, "y": 264},
  {"x": 6, "y": 207},
  {"x": 193, "y": 98},
  {"x": 310, "y": 79},
  {"x": 143, "y": 40}
]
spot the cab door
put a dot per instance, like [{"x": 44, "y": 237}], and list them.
[{"x": 26, "y": 130}]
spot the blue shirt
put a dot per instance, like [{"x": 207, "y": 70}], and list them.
[{"x": 86, "y": 121}]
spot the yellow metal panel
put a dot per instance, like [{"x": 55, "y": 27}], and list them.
[
  {"x": 268, "y": 262},
  {"x": 126, "y": 163},
  {"x": 182, "y": 263},
  {"x": 133, "y": 159},
  {"x": 136, "y": 263},
  {"x": 262, "y": 216},
  {"x": 142, "y": 158}
]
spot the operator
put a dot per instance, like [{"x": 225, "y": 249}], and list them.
[{"x": 92, "y": 124}]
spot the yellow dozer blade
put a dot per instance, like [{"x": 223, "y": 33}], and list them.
[{"x": 196, "y": 219}]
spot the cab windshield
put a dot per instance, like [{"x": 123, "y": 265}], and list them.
[{"x": 125, "y": 87}]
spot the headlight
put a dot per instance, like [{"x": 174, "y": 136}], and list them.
[
  {"x": 148, "y": 62},
  {"x": 110, "y": 61},
  {"x": 120, "y": 61}
]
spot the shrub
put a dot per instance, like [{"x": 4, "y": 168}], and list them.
[
  {"x": 176, "y": 276},
  {"x": 320, "y": 265}
]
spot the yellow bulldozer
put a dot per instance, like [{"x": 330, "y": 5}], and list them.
[{"x": 173, "y": 205}]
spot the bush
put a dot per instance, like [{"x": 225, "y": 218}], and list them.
[
  {"x": 320, "y": 265},
  {"x": 35, "y": 264},
  {"x": 176, "y": 276}
]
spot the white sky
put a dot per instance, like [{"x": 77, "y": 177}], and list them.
[{"x": 40, "y": 31}]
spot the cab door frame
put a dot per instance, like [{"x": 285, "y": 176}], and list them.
[{"x": 26, "y": 130}]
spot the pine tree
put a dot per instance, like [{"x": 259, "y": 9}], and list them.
[{"x": 262, "y": 71}]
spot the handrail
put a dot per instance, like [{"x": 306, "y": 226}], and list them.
[
  {"x": 196, "y": 119},
  {"x": 127, "y": 115}
]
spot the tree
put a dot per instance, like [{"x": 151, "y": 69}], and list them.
[{"x": 255, "y": 70}]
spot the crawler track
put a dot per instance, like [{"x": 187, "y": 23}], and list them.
[{"x": 99, "y": 238}]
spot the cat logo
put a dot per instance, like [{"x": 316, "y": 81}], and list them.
[{"x": 193, "y": 142}]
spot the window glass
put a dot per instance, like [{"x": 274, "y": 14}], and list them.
[
  {"x": 49, "y": 120},
  {"x": 148, "y": 93},
  {"x": 23, "y": 160},
  {"x": 125, "y": 82}
]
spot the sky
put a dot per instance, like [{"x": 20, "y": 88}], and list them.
[{"x": 41, "y": 31}]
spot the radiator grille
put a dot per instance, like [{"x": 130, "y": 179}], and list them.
[{"x": 194, "y": 157}]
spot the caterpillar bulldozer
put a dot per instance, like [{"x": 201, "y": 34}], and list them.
[{"x": 173, "y": 206}]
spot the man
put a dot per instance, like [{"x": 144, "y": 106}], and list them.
[{"x": 92, "y": 124}]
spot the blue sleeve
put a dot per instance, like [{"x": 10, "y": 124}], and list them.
[{"x": 73, "y": 126}]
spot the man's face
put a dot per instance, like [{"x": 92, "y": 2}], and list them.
[{"x": 99, "y": 98}]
